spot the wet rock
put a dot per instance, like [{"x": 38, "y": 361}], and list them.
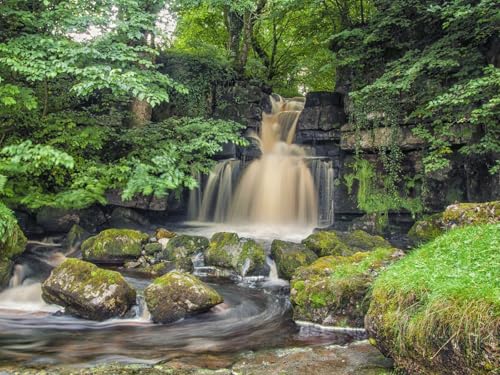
[
  {"x": 57, "y": 220},
  {"x": 153, "y": 248},
  {"x": 455, "y": 215},
  {"x": 164, "y": 233},
  {"x": 13, "y": 243},
  {"x": 177, "y": 295},
  {"x": 243, "y": 255},
  {"x": 114, "y": 246},
  {"x": 123, "y": 217},
  {"x": 333, "y": 290},
  {"x": 181, "y": 248},
  {"x": 289, "y": 256},
  {"x": 325, "y": 243},
  {"x": 87, "y": 291},
  {"x": 75, "y": 237}
]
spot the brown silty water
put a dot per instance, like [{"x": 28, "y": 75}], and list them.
[{"x": 278, "y": 188}]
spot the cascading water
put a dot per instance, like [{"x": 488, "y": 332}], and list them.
[{"x": 284, "y": 186}]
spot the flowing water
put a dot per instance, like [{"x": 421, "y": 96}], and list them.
[
  {"x": 255, "y": 315},
  {"x": 283, "y": 187}
]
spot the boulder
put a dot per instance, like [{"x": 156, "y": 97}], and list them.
[
  {"x": 87, "y": 291},
  {"x": 334, "y": 289},
  {"x": 13, "y": 243},
  {"x": 123, "y": 217},
  {"x": 455, "y": 215},
  {"x": 57, "y": 220},
  {"x": 289, "y": 256},
  {"x": 177, "y": 295},
  {"x": 6, "y": 267},
  {"x": 153, "y": 248},
  {"x": 114, "y": 246},
  {"x": 332, "y": 242},
  {"x": 181, "y": 248},
  {"x": 75, "y": 237},
  {"x": 243, "y": 255}
]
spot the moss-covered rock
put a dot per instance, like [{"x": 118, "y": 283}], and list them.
[
  {"x": 289, "y": 256},
  {"x": 243, "y": 255},
  {"x": 114, "y": 246},
  {"x": 152, "y": 248},
  {"x": 5, "y": 272},
  {"x": 13, "y": 243},
  {"x": 333, "y": 290},
  {"x": 177, "y": 295},
  {"x": 455, "y": 215},
  {"x": 181, "y": 248},
  {"x": 75, "y": 237},
  {"x": 87, "y": 291},
  {"x": 438, "y": 310},
  {"x": 325, "y": 243}
]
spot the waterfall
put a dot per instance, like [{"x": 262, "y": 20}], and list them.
[{"x": 284, "y": 186}]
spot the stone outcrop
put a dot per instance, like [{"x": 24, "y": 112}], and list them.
[
  {"x": 289, "y": 256},
  {"x": 180, "y": 250}
]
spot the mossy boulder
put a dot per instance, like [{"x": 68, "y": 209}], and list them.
[
  {"x": 289, "y": 256},
  {"x": 333, "y": 290},
  {"x": 455, "y": 215},
  {"x": 437, "y": 311},
  {"x": 75, "y": 237},
  {"x": 87, "y": 291},
  {"x": 325, "y": 243},
  {"x": 243, "y": 255},
  {"x": 181, "y": 248},
  {"x": 177, "y": 295},
  {"x": 114, "y": 246},
  {"x": 153, "y": 248},
  {"x": 6, "y": 267},
  {"x": 13, "y": 243}
]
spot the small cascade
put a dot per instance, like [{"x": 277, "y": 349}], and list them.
[
  {"x": 18, "y": 275},
  {"x": 322, "y": 170},
  {"x": 212, "y": 202}
]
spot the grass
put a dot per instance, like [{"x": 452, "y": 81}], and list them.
[{"x": 444, "y": 298}]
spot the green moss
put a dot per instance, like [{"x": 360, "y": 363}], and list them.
[
  {"x": 223, "y": 249},
  {"x": 325, "y": 243},
  {"x": 471, "y": 213},
  {"x": 440, "y": 306},
  {"x": 114, "y": 244},
  {"x": 13, "y": 243},
  {"x": 426, "y": 229},
  {"x": 5, "y": 272},
  {"x": 290, "y": 256},
  {"x": 334, "y": 289},
  {"x": 251, "y": 252},
  {"x": 152, "y": 248}
]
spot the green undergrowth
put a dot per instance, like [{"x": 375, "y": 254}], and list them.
[{"x": 444, "y": 296}]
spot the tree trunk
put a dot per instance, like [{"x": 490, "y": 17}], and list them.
[
  {"x": 141, "y": 112},
  {"x": 234, "y": 23},
  {"x": 247, "y": 40}
]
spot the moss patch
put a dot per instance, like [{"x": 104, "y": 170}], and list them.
[
  {"x": 13, "y": 243},
  {"x": 333, "y": 290},
  {"x": 325, "y": 243},
  {"x": 438, "y": 310},
  {"x": 289, "y": 256},
  {"x": 114, "y": 246}
]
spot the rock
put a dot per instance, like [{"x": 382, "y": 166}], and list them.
[
  {"x": 138, "y": 201},
  {"x": 13, "y": 243},
  {"x": 244, "y": 255},
  {"x": 325, "y": 243},
  {"x": 163, "y": 242},
  {"x": 6, "y": 267},
  {"x": 153, "y": 248},
  {"x": 164, "y": 233},
  {"x": 123, "y": 217},
  {"x": 75, "y": 237},
  {"x": 289, "y": 256},
  {"x": 57, "y": 220},
  {"x": 455, "y": 215},
  {"x": 87, "y": 291},
  {"x": 114, "y": 246},
  {"x": 333, "y": 290},
  {"x": 426, "y": 229},
  {"x": 92, "y": 218},
  {"x": 181, "y": 248},
  {"x": 177, "y": 295},
  {"x": 150, "y": 270}
]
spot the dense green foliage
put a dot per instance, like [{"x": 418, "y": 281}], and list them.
[
  {"x": 443, "y": 295},
  {"x": 428, "y": 64}
]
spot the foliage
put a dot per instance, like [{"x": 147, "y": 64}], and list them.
[
  {"x": 425, "y": 63},
  {"x": 379, "y": 197},
  {"x": 443, "y": 295}
]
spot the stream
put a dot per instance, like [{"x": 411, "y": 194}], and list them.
[{"x": 255, "y": 315}]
